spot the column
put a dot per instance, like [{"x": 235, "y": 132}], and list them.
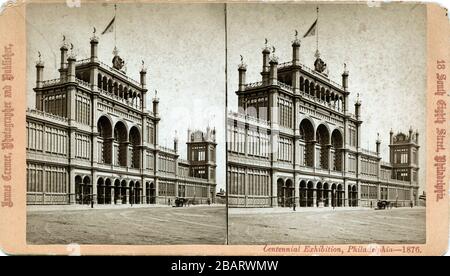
[
  {"x": 344, "y": 197},
  {"x": 314, "y": 197},
  {"x": 274, "y": 192}
]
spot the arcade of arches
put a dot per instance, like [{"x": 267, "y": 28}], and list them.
[
  {"x": 117, "y": 145},
  {"x": 315, "y": 194},
  {"x": 114, "y": 191}
]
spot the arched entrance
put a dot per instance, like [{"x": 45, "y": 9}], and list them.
[
  {"x": 120, "y": 144},
  {"x": 302, "y": 194},
  {"x": 310, "y": 194},
  {"x": 123, "y": 191},
  {"x": 152, "y": 193},
  {"x": 104, "y": 129},
  {"x": 100, "y": 191},
  {"x": 336, "y": 150},
  {"x": 355, "y": 196},
  {"x": 334, "y": 196},
  {"x": 108, "y": 191},
  {"x": 340, "y": 195},
  {"x": 131, "y": 193},
  {"x": 117, "y": 190},
  {"x": 307, "y": 143},
  {"x": 319, "y": 194},
  {"x": 289, "y": 193},
  {"x": 137, "y": 192},
  {"x": 78, "y": 189},
  {"x": 326, "y": 195},
  {"x": 280, "y": 192},
  {"x": 135, "y": 141},
  {"x": 323, "y": 137},
  {"x": 87, "y": 190}
]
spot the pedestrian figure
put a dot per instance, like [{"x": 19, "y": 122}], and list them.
[
  {"x": 92, "y": 203},
  {"x": 411, "y": 203},
  {"x": 294, "y": 206},
  {"x": 370, "y": 204}
]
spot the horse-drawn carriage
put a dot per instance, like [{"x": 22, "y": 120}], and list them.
[{"x": 384, "y": 204}]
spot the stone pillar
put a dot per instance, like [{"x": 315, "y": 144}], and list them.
[
  {"x": 94, "y": 188},
  {"x": 329, "y": 197},
  {"x": 314, "y": 198},
  {"x": 39, "y": 74},
  {"x": 345, "y": 199},
  {"x": 242, "y": 72},
  {"x": 274, "y": 191}
]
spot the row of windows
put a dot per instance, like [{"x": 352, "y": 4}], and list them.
[
  {"x": 55, "y": 104},
  {"x": 187, "y": 190},
  {"x": 82, "y": 146},
  {"x": 149, "y": 161},
  {"x": 166, "y": 188},
  {"x": 199, "y": 172},
  {"x": 151, "y": 133},
  {"x": 48, "y": 179},
  {"x": 369, "y": 167},
  {"x": 83, "y": 110},
  {"x": 236, "y": 139},
  {"x": 183, "y": 171},
  {"x": 401, "y": 156},
  {"x": 35, "y": 133},
  {"x": 285, "y": 151},
  {"x": 198, "y": 153},
  {"x": 352, "y": 136},
  {"x": 369, "y": 192},
  {"x": 352, "y": 163},
  {"x": 285, "y": 112},
  {"x": 256, "y": 107},
  {"x": 56, "y": 139},
  {"x": 258, "y": 144},
  {"x": 166, "y": 164},
  {"x": 258, "y": 182}
]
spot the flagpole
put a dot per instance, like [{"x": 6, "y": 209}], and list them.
[
  {"x": 115, "y": 27},
  {"x": 317, "y": 36}
]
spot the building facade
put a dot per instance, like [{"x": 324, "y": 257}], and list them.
[
  {"x": 92, "y": 138},
  {"x": 294, "y": 140}
]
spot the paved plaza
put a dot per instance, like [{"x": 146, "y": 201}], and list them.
[
  {"x": 135, "y": 225},
  {"x": 326, "y": 226}
]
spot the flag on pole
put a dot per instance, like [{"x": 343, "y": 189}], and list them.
[
  {"x": 110, "y": 26},
  {"x": 312, "y": 30}
]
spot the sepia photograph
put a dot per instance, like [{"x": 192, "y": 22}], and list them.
[
  {"x": 326, "y": 123},
  {"x": 124, "y": 121},
  {"x": 258, "y": 128}
]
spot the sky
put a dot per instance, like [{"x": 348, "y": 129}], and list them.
[
  {"x": 183, "y": 47},
  {"x": 384, "y": 48}
]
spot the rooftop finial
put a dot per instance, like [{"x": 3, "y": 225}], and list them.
[
  {"x": 296, "y": 41},
  {"x": 242, "y": 65},
  {"x": 265, "y": 43},
  {"x": 39, "y": 62},
  {"x": 72, "y": 52}
]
